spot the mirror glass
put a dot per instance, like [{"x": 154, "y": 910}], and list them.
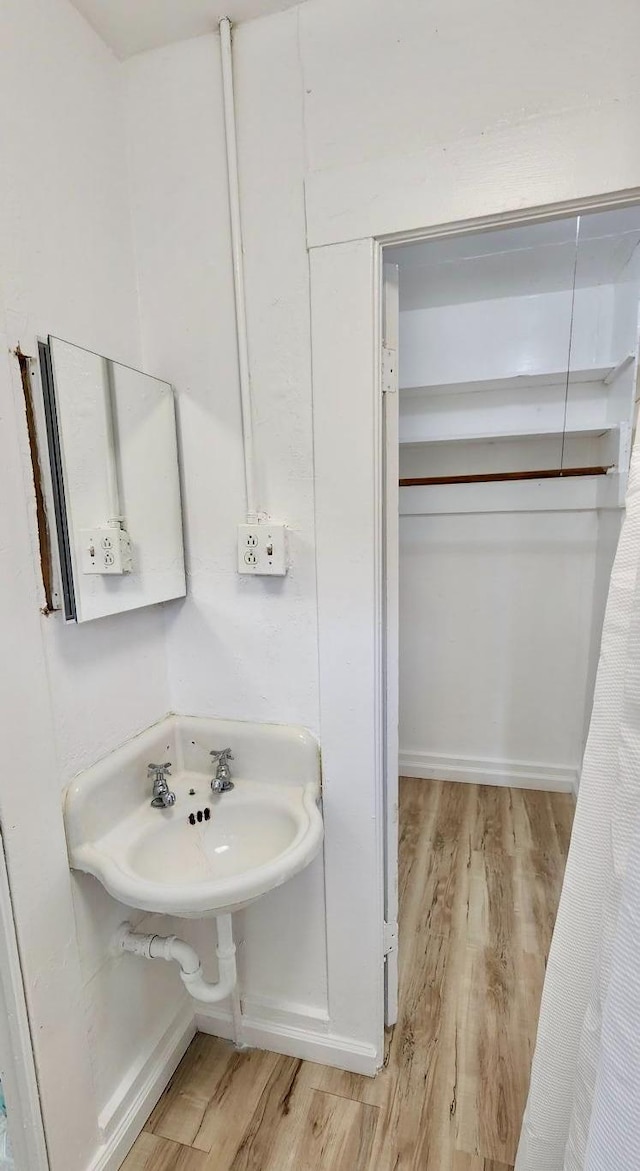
[{"x": 114, "y": 457}]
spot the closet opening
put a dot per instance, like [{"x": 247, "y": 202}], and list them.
[{"x": 510, "y": 366}]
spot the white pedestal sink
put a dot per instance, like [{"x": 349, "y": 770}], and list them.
[{"x": 208, "y": 854}]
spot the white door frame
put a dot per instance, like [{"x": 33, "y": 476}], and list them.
[
  {"x": 347, "y": 422},
  {"x": 346, "y": 308},
  {"x": 390, "y": 631}
]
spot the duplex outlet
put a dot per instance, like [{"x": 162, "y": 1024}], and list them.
[
  {"x": 262, "y": 549},
  {"x": 106, "y": 550}
]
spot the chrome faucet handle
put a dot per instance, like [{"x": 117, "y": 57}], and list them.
[
  {"x": 160, "y": 771},
  {"x": 222, "y": 754}
]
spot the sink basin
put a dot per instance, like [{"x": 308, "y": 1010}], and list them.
[
  {"x": 207, "y": 854},
  {"x": 257, "y": 837}
]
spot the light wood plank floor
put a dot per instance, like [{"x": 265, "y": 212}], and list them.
[{"x": 480, "y": 875}]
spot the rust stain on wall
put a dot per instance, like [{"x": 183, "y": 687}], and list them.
[{"x": 44, "y": 539}]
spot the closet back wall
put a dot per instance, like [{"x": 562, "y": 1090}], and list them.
[{"x": 495, "y": 637}]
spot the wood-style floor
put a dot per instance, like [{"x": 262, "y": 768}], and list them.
[{"x": 480, "y": 875}]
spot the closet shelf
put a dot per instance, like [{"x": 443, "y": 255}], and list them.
[
  {"x": 605, "y": 374},
  {"x": 582, "y": 493},
  {"x": 513, "y": 433}
]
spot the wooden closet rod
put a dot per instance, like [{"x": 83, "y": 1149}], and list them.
[{"x": 496, "y": 477}]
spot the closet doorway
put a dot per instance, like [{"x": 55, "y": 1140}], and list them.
[{"x": 510, "y": 362}]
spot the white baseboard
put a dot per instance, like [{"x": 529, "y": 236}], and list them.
[
  {"x": 288, "y": 1012},
  {"x": 126, "y": 1112},
  {"x": 296, "y": 1031},
  {"x": 305, "y": 1035},
  {"x": 517, "y": 774}
]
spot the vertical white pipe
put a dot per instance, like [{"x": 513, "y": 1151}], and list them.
[
  {"x": 224, "y": 929},
  {"x": 238, "y": 268}
]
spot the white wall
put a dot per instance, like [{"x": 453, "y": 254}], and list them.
[
  {"x": 488, "y": 67},
  {"x": 69, "y": 694},
  {"x": 246, "y": 645},
  {"x": 367, "y": 124},
  {"x": 238, "y": 647},
  {"x": 496, "y": 614},
  {"x": 449, "y": 111}
]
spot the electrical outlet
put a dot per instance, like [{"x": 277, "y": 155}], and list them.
[
  {"x": 106, "y": 550},
  {"x": 262, "y": 549}
]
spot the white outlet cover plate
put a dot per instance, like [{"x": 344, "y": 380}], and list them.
[{"x": 262, "y": 549}]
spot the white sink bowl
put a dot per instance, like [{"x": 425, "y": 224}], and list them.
[{"x": 247, "y": 842}]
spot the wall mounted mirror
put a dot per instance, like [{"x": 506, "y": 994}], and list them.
[{"x": 113, "y": 452}]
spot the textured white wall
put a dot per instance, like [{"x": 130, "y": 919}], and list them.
[
  {"x": 437, "y": 113},
  {"x": 387, "y": 84},
  {"x": 243, "y": 647},
  {"x": 238, "y": 647},
  {"x": 70, "y": 693}
]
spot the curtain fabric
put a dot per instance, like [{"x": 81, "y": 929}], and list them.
[{"x": 583, "y": 1111}]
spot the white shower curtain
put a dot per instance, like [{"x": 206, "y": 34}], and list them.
[{"x": 583, "y": 1112}]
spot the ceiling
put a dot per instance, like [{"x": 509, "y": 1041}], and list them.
[
  {"x": 521, "y": 261},
  {"x": 131, "y": 26}
]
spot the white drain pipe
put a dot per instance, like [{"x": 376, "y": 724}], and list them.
[
  {"x": 161, "y": 947},
  {"x": 238, "y": 266}
]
